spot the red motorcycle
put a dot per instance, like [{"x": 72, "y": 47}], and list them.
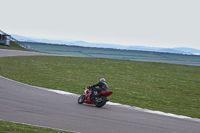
[{"x": 91, "y": 96}]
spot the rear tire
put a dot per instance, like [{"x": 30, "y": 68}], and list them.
[
  {"x": 81, "y": 99},
  {"x": 102, "y": 101}
]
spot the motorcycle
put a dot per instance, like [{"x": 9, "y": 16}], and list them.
[{"x": 90, "y": 96}]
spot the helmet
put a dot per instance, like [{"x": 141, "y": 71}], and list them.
[{"x": 102, "y": 80}]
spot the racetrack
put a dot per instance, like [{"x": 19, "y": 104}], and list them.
[{"x": 28, "y": 104}]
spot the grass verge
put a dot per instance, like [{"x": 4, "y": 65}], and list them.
[
  {"x": 157, "y": 86},
  {"x": 9, "y": 127},
  {"x": 134, "y": 55},
  {"x": 13, "y": 46}
]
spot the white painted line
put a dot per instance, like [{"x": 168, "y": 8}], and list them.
[
  {"x": 155, "y": 112},
  {"x": 114, "y": 104}
]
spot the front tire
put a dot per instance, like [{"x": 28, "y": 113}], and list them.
[
  {"x": 81, "y": 99},
  {"x": 101, "y": 101}
]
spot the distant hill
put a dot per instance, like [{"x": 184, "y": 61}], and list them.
[{"x": 178, "y": 50}]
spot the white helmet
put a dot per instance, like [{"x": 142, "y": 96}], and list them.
[{"x": 102, "y": 80}]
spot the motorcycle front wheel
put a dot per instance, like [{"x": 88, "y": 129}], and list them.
[
  {"x": 81, "y": 99},
  {"x": 100, "y": 101}
]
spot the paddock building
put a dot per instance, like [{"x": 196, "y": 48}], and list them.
[{"x": 5, "y": 39}]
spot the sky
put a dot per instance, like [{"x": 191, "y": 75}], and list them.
[{"x": 153, "y": 23}]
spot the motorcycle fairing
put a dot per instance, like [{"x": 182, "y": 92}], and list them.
[
  {"x": 87, "y": 97},
  {"x": 106, "y": 93}
]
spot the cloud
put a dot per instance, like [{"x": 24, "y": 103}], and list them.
[{"x": 129, "y": 22}]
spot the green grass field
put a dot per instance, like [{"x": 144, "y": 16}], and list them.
[
  {"x": 117, "y": 54},
  {"x": 157, "y": 86},
  {"x": 9, "y": 127},
  {"x": 13, "y": 46}
]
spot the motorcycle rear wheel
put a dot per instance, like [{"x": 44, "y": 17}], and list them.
[
  {"x": 81, "y": 99},
  {"x": 102, "y": 102}
]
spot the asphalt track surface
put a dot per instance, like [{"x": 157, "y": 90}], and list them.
[{"x": 32, "y": 105}]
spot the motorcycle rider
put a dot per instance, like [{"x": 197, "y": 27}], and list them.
[{"x": 102, "y": 86}]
